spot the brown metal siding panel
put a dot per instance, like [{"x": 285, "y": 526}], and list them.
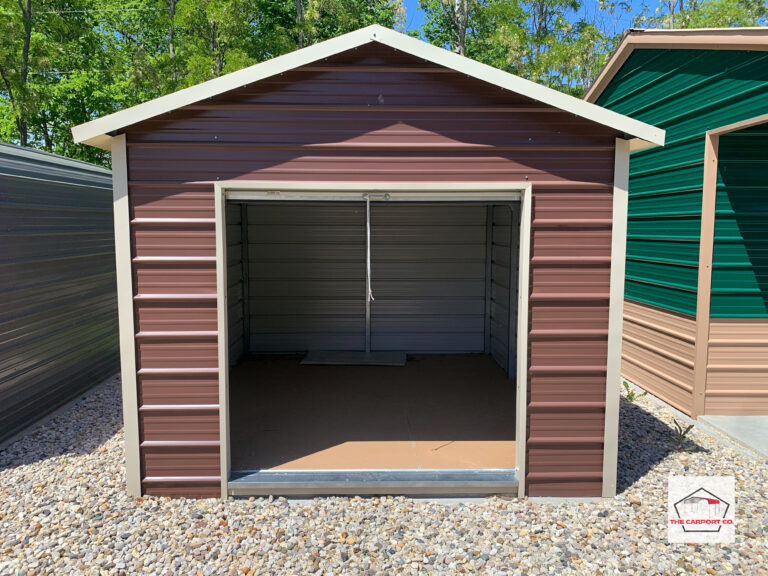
[
  {"x": 658, "y": 352},
  {"x": 176, "y": 352},
  {"x": 375, "y": 115},
  {"x": 179, "y": 426},
  {"x": 175, "y": 316},
  {"x": 172, "y": 201},
  {"x": 170, "y": 461},
  {"x": 175, "y": 277},
  {"x": 173, "y": 241},
  {"x": 568, "y": 340},
  {"x": 163, "y": 389},
  {"x": 737, "y": 367},
  {"x": 193, "y": 488},
  {"x": 176, "y": 241}
]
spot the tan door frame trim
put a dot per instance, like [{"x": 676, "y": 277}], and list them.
[
  {"x": 127, "y": 330},
  {"x": 704, "y": 289},
  {"x": 706, "y": 251},
  {"x": 523, "y": 288},
  {"x": 347, "y": 191},
  {"x": 615, "y": 316},
  {"x": 762, "y": 119}
]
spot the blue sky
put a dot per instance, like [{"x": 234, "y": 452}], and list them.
[{"x": 415, "y": 17}]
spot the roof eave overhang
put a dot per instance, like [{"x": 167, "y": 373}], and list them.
[
  {"x": 683, "y": 39},
  {"x": 97, "y": 132}
]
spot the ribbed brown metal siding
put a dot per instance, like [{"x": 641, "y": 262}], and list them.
[
  {"x": 737, "y": 366},
  {"x": 659, "y": 351},
  {"x": 376, "y": 115},
  {"x": 58, "y": 308}
]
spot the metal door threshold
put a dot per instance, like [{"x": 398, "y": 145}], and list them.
[{"x": 373, "y": 482}]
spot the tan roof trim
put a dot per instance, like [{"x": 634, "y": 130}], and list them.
[
  {"x": 99, "y": 132},
  {"x": 686, "y": 39}
]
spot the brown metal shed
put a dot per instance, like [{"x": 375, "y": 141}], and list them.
[{"x": 498, "y": 213}]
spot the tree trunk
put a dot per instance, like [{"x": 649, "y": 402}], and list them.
[
  {"x": 300, "y": 22},
  {"x": 171, "y": 46},
  {"x": 216, "y": 49},
  {"x": 462, "y": 27},
  {"x": 21, "y": 112}
]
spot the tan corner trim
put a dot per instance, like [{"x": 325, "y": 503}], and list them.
[
  {"x": 223, "y": 337},
  {"x": 523, "y": 281},
  {"x": 127, "y": 330},
  {"x": 615, "y": 316},
  {"x": 704, "y": 293},
  {"x": 755, "y": 38}
]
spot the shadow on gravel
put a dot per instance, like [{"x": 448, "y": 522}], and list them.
[
  {"x": 644, "y": 442},
  {"x": 78, "y": 429}
]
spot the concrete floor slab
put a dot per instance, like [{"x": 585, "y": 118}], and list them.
[
  {"x": 749, "y": 431},
  {"x": 436, "y": 412}
]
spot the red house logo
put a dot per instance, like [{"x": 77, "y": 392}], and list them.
[{"x": 701, "y": 511}]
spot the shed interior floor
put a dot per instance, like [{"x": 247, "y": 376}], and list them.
[{"x": 436, "y": 412}]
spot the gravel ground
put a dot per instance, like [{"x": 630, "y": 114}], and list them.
[{"x": 63, "y": 511}]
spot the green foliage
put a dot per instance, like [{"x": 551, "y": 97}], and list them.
[
  {"x": 631, "y": 394},
  {"x": 64, "y": 62},
  {"x": 704, "y": 14},
  {"x": 680, "y": 434}
]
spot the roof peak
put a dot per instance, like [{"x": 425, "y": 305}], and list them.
[
  {"x": 747, "y": 38},
  {"x": 99, "y": 132}
]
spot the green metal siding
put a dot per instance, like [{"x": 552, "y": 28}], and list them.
[
  {"x": 740, "y": 260},
  {"x": 686, "y": 92}
]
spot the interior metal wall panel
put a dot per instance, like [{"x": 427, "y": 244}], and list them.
[
  {"x": 236, "y": 282},
  {"x": 306, "y": 266},
  {"x": 307, "y": 274},
  {"x": 505, "y": 250},
  {"x": 428, "y": 277},
  {"x": 58, "y": 310}
]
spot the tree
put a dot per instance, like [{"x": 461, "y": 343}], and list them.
[
  {"x": 704, "y": 14},
  {"x": 490, "y": 31}
]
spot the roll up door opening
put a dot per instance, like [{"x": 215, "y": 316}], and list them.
[{"x": 444, "y": 280}]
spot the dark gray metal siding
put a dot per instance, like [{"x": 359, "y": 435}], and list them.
[{"x": 58, "y": 308}]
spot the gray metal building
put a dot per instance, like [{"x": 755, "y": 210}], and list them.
[{"x": 58, "y": 319}]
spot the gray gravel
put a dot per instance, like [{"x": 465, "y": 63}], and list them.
[{"x": 63, "y": 511}]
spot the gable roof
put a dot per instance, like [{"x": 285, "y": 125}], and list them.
[
  {"x": 99, "y": 132},
  {"x": 682, "y": 39}
]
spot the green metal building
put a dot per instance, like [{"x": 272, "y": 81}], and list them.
[{"x": 696, "y": 309}]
